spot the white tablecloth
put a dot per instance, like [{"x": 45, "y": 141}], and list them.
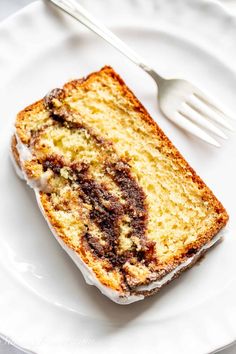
[{"x": 7, "y": 7}]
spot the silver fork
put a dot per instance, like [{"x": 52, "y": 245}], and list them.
[{"x": 180, "y": 101}]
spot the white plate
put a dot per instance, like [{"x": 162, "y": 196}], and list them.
[{"x": 45, "y": 305}]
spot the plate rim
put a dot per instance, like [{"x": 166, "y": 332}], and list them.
[{"x": 30, "y": 8}]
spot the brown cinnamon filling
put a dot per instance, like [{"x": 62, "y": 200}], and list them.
[
  {"x": 107, "y": 211},
  {"x": 135, "y": 206}
]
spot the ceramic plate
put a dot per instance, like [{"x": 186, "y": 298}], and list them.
[{"x": 45, "y": 305}]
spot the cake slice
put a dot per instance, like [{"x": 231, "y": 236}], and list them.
[{"x": 116, "y": 193}]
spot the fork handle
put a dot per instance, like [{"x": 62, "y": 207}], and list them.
[{"x": 74, "y": 9}]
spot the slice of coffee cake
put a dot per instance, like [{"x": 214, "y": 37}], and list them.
[{"x": 116, "y": 193}]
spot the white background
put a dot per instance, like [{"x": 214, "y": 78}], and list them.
[{"x": 7, "y": 7}]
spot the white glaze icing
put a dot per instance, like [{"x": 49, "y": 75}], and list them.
[
  {"x": 89, "y": 276},
  {"x": 25, "y": 154},
  {"x": 24, "y": 151},
  {"x": 16, "y": 167}
]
